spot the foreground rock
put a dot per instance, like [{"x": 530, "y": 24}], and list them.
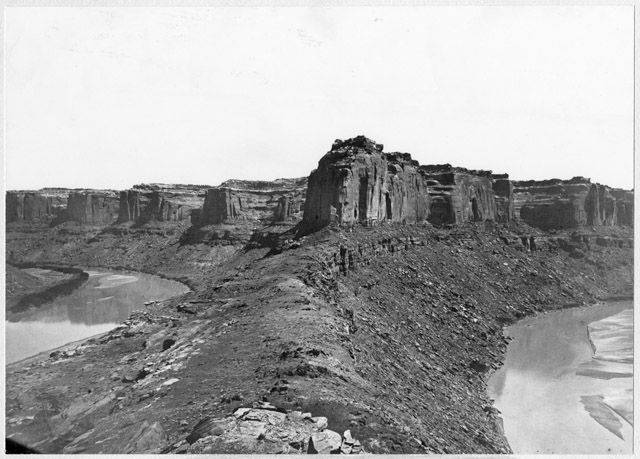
[
  {"x": 387, "y": 332},
  {"x": 261, "y": 430}
]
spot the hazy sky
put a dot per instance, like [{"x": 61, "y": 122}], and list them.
[{"x": 110, "y": 97}]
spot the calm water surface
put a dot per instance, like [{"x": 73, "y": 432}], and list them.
[
  {"x": 100, "y": 304},
  {"x": 562, "y": 393}
]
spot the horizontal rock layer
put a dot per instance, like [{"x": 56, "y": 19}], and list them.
[
  {"x": 562, "y": 204},
  {"x": 357, "y": 182},
  {"x": 92, "y": 208},
  {"x": 142, "y": 206},
  {"x": 252, "y": 201}
]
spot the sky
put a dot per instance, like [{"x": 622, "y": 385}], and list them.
[{"x": 112, "y": 97}]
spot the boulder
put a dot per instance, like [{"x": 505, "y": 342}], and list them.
[
  {"x": 148, "y": 438},
  {"x": 325, "y": 442}
]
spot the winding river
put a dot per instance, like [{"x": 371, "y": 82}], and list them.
[
  {"x": 97, "y": 306},
  {"x": 566, "y": 386}
]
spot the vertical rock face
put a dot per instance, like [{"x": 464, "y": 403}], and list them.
[
  {"x": 253, "y": 201},
  {"x": 503, "y": 190},
  {"x": 92, "y": 208},
  {"x": 132, "y": 202},
  {"x": 563, "y": 204},
  {"x": 220, "y": 205},
  {"x": 34, "y": 206},
  {"x": 357, "y": 182},
  {"x": 160, "y": 203},
  {"x": 459, "y": 195}
]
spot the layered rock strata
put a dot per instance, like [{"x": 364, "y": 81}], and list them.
[
  {"x": 252, "y": 201},
  {"x": 92, "y": 208},
  {"x": 357, "y": 182},
  {"x": 161, "y": 203},
  {"x": 34, "y": 206},
  {"x": 459, "y": 195},
  {"x": 564, "y": 204}
]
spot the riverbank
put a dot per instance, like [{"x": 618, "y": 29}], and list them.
[
  {"x": 42, "y": 287},
  {"x": 388, "y": 332},
  {"x": 101, "y": 303},
  {"x": 552, "y": 399}
]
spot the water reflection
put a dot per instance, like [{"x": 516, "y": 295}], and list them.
[
  {"x": 104, "y": 301},
  {"x": 547, "y": 405}
]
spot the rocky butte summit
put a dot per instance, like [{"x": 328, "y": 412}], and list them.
[
  {"x": 356, "y": 182},
  {"x": 360, "y": 308}
]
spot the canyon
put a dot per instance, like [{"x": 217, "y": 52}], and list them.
[
  {"x": 355, "y": 182},
  {"x": 359, "y": 309}
]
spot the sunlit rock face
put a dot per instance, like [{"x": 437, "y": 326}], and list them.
[
  {"x": 280, "y": 200},
  {"x": 459, "y": 195},
  {"x": 564, "y": 204},
  {"x": 357, "y": 182},
  {"x": 92, "y": 208}
]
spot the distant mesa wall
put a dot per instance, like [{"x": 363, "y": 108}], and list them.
[
  {"x": 142, "y": 205},
  {"x": 33, "y": 206},
  {"x": 252, "y": 201},
  {"x": 357, "y": 182},
  {"x": 564, "y": 204},
  {"x": 92, "y": 207}
]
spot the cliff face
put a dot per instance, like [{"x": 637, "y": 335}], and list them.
[
  {"x": 503, "y": 190},
  {"x": 563, "y": 204},
  {"x": 252, "y": 201},
  {"x": 357, "y": 182},
  {"x": 34, "y": 206},
  {"x": 162, "y": 203},
  {"x": 459, "y": 195},
  {"x": 92, "y": 208}
]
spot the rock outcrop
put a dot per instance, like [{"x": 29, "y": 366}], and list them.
[
  {"x": 34, "y": 206},
  {"x": 161, "y": 203},
  {"x": 563, "y": 204},
  {"x": 357, "y": 182},
  {"x": 459, "y": 195},
  {"x": 252, "y": 201},
  {"x": 503, "y": 191},
  {"x": 98, "y": 208}
]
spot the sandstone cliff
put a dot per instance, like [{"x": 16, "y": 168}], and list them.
[
  {"x": 252, "y": 201},
  {"x": 357, "y": 182},
  {"x": 459, "y": 195},
  {"x": 92, "y": 207},
  {"x": 34, "y": 206},
  {"x": 562, "y": 204},
  {"x": 158, "y": 202}
]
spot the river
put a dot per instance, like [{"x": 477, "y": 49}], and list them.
[
  {"x": 97, "y": 306},
  {"x": 566, "y": 386}
]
